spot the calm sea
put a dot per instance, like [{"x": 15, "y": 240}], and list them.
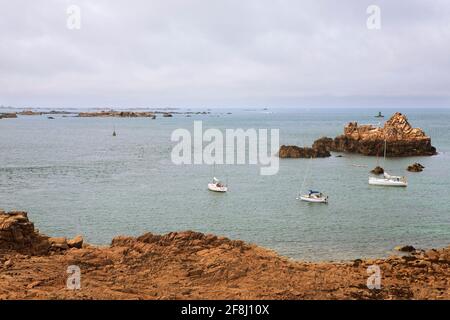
[{"x": 73, "y": 177}]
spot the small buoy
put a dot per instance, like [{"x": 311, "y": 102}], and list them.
[{"x": 114, "y": 134}]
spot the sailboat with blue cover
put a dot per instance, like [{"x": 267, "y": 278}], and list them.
[{"x": 312, "y": 195}]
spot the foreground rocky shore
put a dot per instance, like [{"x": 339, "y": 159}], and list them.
[{"x": 192, "y": 265}]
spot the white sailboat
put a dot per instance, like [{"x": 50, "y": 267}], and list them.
[
  {"x": 387, "y": 180},
  {"x": 217, "y": 186},
  {"x": 312, "y": 196}
]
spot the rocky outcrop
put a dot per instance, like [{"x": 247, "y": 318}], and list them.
[
  {"x": 119, "y": 114},
  {"x": 76, "y": 242},
  {"x": 377, "y": 170},
  {"x": 406, "y": 248},
  {"x": 401, "y": 139},
  {"x": 30, "y": 113},
  {"x": 416, "y": 167},
  {"x": 298, "y": 152},
  {"x": 8, "y": 115},
  {"x": 18, "y": 233},
  {"x": 319, "y": 149}
]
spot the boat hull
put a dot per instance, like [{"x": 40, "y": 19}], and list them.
[
  {"x": 387, "y": 182},
  {"x": 214, "y": 188},
  {"x": 314, "y": 200}
]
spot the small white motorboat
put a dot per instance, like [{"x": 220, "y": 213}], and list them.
[
  {"x": 314, "y": 196},
  {"x": 389, "y": 181},
  {"x": 217, "y": 186}
]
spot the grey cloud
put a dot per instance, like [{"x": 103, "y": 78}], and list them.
[{"x": 224, "y": 53}]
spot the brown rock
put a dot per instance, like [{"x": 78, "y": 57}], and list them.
[
  {"x": 18, "y": 233},
  {"x": 120, "y": 114},
  {"x": 377, "y": 170},
  {"x": 416, "y": 167},
  {"x": 432, "y": 255},
  {"x": 76, "y": 242},
  {"x": 30, "y": 113},
  {"x": 8, "y": 115},
  {"x": 58, "y": 243},
  {"x": 34, "y": 284},
  {"x": 401, "y": 139},
  {"x": 297, "y": 152},
  {"x": 405, "y": 248}
]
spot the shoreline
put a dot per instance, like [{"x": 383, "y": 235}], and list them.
[{"x": 192, "y": 265}]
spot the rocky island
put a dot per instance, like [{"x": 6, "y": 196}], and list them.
[
  {"x": 193, "y": 265},
  {"x": 120, "y": 114},
  {"x": 401, "y": 138},
  {"x": 9, "y": 115},
  {"x": 316, "y": 151},
  {"x": 415, "y": 167}
]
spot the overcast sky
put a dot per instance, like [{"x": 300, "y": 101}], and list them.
[{"x": 236, "y": 53}]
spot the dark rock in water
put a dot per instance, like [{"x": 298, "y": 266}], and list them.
[
  {"x": 29, "y": 113},
  {"x": 401, "y": 139},
  {"x": 119, "y": 114},
  {"x": 405, "y": 248},
  {"x": 297, "y": 152},
  {"x": 377, "y": 170},
  {"x": 319, "y": 149},
  {"x": 323, "y": 143},
  {"x": 51, "y": 118},
  {"x": 416, "y": 167},
  {"x": 339, "y": 156},
  {"x": 8, "y": 115}
]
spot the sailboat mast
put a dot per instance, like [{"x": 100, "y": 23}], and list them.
[{"x": 306, "y": 174}]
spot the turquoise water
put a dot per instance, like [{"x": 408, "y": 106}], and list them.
[{"x": 73, "y": 177}]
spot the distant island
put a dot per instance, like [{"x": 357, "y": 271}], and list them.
[{"x": 166, "y": 113}]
